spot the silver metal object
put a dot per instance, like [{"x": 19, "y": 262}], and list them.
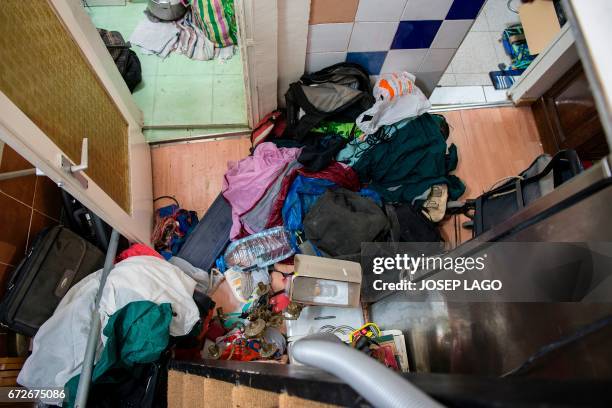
[
  {"x": 494, "y": 338},
  {"x": 94, "y": 333},
  {"x": 16, "y": 174},
  {"x": 255, "y": 328},
  {"x": 512, "y": 9},
  {"x": 168, "y": 10},
  {"x": 76, "y": 170}
]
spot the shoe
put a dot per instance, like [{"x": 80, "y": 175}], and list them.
[{"x": 434, "y": 207}]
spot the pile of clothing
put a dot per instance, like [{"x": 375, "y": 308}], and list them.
[
  {"x": 352, "y": 164},
  {"x": 207, "y": 30},
  {"x": 345, "y": 164},
  {"x": 148, "y": 305}
]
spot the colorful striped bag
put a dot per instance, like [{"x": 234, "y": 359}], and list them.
[{"x": 217, "y": 19}]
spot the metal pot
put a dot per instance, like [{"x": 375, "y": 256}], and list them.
[{"x": 168, "y": 10}]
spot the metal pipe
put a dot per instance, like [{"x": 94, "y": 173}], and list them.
[
  {"x": 94, "y": 333},
  {"x": 379, "y": 385},
  {"x": 15, "y": 174}
]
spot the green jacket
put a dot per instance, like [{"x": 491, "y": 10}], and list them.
[
  {"x": 412, "y": 160},
  {"x": 136, "y": 334}
]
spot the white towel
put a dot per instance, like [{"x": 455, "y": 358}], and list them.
[{"x": 156, "y": 38}]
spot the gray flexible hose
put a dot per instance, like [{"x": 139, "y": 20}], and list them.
[{"x": 379, "y": 385}]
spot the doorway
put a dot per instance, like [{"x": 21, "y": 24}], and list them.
[
  {"x": 194, "y": 86},
  {"x": 481, "y": 52}
]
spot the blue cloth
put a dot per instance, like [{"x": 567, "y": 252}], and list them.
[
  {"x": 371, "y": 194},
  {"x": 303, "y": 193}
]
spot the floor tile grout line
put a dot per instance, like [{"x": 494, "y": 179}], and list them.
[
  {"x": 31, "y": 217},
  {"x": 16, "y": 199},
  {"x": 29, "y": 229},
  {"x": 45, "y": 215}
]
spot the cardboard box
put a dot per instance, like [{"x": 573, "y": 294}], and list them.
[
  {"x": 325, "y": 282},
  {"x": 540, "y": 23}
]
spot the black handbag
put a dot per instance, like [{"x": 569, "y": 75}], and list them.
[
  {"x": 126, "y": 60},
  {"x": 55, "y": 262}
]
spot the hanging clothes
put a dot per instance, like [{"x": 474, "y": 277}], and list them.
[
  {"x": 59, "y": 345},
  {"x": 411, "y": 161},
  {"x": 247, "y": 180}
]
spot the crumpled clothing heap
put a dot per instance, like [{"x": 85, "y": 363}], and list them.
[
  {"x": 247, "y": 180},
  {"x": 161, "y": 38},
  {"x": 337, "y": 173},
  {"x": 136, "y": 334},
  {"x": 255, "y": 220},
  {"x": 59, "y": 346},
  {"x": 192, "y": 42},
  {"x": 412, "y": 161}
]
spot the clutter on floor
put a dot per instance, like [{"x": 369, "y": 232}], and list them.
[
  {"x": 202, "y": 30},
  {"x": 516, "y": 47},
  {"x": 344, "y": 164},
  {"x": 276, "y": 256}
]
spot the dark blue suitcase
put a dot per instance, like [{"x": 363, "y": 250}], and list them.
[{"x": 210, "y": 237}]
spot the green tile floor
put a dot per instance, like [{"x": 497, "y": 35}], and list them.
[{"x": 178, "y": 90}]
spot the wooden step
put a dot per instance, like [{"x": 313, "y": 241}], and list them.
[{"x": 188, "y": 390}]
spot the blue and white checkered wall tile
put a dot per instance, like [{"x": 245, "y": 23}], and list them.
[{"x": 418, "y": 36}]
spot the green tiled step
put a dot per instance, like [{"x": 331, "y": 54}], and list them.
[{"x": 169, "y": 135}]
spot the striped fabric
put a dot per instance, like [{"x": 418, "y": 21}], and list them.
[{"x": 217, "y": 20}]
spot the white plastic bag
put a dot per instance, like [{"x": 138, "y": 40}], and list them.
[{"x": 397, "y": 98}]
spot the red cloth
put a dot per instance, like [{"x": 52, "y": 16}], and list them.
[
  {"x": 339, "y": 173},
  {"x": 137, "y": 250}
]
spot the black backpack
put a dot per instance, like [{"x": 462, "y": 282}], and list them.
[
  {"x": 341, "y": 220},
  {"x": 126, "y": 60},
  {"x": 340, "y": 92}
]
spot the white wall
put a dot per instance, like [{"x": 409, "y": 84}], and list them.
[{"x": 292, "y": 40}]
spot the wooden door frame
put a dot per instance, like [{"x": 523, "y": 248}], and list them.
[
  {"x": 18, "y": 131},
  {"x": 257, "y": 28},
  {"x": 257, "y": 22}
]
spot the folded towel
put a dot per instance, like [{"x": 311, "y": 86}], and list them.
[{"x": 156, "y": 38}]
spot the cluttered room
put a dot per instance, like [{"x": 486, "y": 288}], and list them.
[{"x": 229, "y": 269}]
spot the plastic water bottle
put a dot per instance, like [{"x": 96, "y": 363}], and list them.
[{"x": 259, "y": 250}]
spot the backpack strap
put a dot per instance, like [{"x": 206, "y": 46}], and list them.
[{"x": 298, "y": 127}]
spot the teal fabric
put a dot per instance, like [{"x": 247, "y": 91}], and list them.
[
  {"x": 411, "y": 161},
  {"x": 136, "y": 334}
]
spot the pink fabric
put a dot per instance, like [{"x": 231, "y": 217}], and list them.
[{"x": 247, "y": 180}]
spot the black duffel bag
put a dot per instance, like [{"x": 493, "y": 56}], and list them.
[
  {"x": 341, "y": 220},
  {"x": 126, "y": 60},
  {"x": 56, "y": 261}
]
